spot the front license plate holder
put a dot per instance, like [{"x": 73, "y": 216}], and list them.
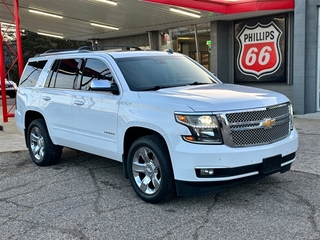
[{"x": 271, "y": 164}]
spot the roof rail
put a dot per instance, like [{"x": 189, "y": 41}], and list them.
[
  {"x": 90, "y": 48},
  {"x": 111, "y": 47},
  {"x": 58, "y": 50}
]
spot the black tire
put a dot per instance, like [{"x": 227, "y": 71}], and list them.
[
  {"x": 12, "y": 95},
  {"x": 41, "y": 149},
  {"x": 149, "y": 162}
]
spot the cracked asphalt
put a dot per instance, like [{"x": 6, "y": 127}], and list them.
[{"x": 87, "y": 197}]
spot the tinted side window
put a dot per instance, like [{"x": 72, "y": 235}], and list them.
[
  {"x": 64, "y": 73},
  {"x": 95, "y": 69},
  {"x": 31, "y": 73},
  {"x": 52, "y": 74}
]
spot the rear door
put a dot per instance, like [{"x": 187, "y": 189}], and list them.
[{"x": 56, "y": 99}]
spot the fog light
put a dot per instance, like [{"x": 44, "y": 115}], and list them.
[{"x": 206, "y": 172}]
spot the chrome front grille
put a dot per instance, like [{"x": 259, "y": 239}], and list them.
[{"x": 257, "y": 127}]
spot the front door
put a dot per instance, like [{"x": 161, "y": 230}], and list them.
[{"x": 95, "y": 112}]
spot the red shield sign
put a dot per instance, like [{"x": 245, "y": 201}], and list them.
[{"x": 259, "y": 52}]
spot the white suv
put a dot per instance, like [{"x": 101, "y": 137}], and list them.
[{"x": 174, "y": 126}]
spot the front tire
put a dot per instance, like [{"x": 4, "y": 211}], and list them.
[
  {"x": 149, "y": 169},
  {"x": 41, "y": 149}
]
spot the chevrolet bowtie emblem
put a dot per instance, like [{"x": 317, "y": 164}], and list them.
[{"x": 268, "y": 123}]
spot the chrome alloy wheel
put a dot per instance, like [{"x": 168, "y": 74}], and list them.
[
  {"x": 37, "y": 144},
  {"x": 146, "y": 170}
]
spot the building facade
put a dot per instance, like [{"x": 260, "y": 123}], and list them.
[{"x": 279, "y": 52}]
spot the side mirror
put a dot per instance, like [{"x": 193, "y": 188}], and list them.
[{"x": 103, "y": 85}]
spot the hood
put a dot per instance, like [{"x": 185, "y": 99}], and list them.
[{"x": 215, "y": 97}]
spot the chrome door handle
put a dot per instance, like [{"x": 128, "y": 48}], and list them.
[
  {"x": 46, "y": 98},
  {"x": 78, "y": 102}
]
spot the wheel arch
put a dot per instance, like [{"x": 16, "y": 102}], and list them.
[
  {"x": 29, "y": 117},
  {"x": 131, "y": 135}
]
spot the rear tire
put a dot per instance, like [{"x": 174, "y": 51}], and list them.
[
  {"x": 12, "y": 95},
  {"x": 41, "y": 149},
  {"x": 149, "y": 169}
]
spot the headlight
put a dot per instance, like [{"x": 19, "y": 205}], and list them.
[
  {"x": 291, "y": 116},
  {"x": 203, "y": 128}
]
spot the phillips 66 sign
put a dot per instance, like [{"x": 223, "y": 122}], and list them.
[{"x": 260, "y": 50}]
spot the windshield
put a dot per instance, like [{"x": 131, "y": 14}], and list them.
[{"x": 156, "y": 72}]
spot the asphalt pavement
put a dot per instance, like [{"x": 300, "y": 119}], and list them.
[{"x": 86, "y": 197}]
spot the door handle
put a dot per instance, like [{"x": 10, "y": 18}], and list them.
[
  {"x": 78, "y": 102},
  {"x": 46, "y": 98}
]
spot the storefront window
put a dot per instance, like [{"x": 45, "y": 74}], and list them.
[{"x": 183, "y": 40}]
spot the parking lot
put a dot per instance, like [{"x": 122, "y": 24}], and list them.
[{"x": 87, "y": 197}]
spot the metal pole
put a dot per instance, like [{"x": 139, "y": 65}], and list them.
[
  {"x": 197, "y": 43},
  {"x": 18, "y": 37},
  {"x": 5, "y": 113},
  {"x": 2, "y": 79},
  {"x": 150, "y": 40},
  {"x": 171, "y": 39}
]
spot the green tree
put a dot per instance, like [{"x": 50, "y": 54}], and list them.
[{"x": 33, "y": 44}]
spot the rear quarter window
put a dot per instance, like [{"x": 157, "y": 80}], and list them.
[{"x": 31, "y": 73}]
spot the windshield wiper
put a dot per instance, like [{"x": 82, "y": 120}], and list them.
[
  {"x": 158, "y": 87},
  {"x": 155, "y": 88},
  {"x": 198, "y": 83}
]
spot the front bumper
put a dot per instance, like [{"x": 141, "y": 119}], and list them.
[
  {"x": 188, "y": 189},
  {"x": 231, "y": 165}
]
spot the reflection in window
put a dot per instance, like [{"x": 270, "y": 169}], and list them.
[
  {"x": 143, "y": 73},
  {"x": 95, "y": 70},
  {"x": 31, "y": 73},
  {"x": 52, "y": 75},
  {"x": 67, "y": 73}
]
